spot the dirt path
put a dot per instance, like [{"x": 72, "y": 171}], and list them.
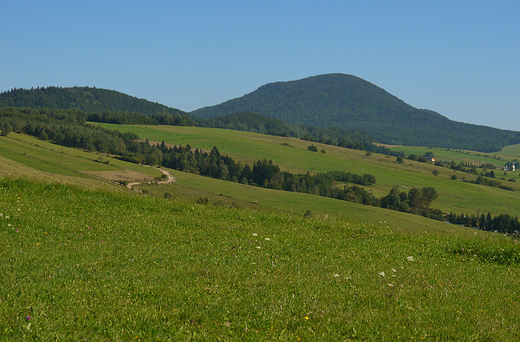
[{"x": 170, "y": 179}]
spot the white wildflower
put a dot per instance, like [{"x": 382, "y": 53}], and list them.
[
  {"x": 267, "y": 239},
  {"x": 393, "y": 270},
  {"x": 391, "y": 285},
  {"x": 335, "y": 275},
  {"x": 410, "y": 258},
  {"x": 382, "y": 274},
  {"x": 258, "y": 247},
  {"x": 255, "y": 234}
]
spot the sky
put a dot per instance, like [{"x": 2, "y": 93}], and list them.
[{"x": 458, "y": 58}]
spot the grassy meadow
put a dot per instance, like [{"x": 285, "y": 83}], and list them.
[
  {"x": 83, "y": 264},
  {"x": 189, "y": 187},
  {"x": 458, "y": 196},
  {"x": 512, "y": 151},
  {"x": 499, "y": 159},
  {"x": 27, "y": 156}
]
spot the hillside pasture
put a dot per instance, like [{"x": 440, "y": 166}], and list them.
[
  {"x": 457, "y": 196},
  {"x": 498, "y": 159},
  {"x": 512, "y": 151},
  {"x": 100, "y": 265},
  {"x": 45, "y": 156},
  {"x": 193, "y": 188}
]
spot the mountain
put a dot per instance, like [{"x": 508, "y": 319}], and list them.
[
  {"x": 84, "y": 98},
  {"x": 346, "y": 101}
]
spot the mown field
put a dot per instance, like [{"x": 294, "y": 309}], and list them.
[
  {"x": 80, "y": 264},
  {"x": 291, "y": 154}
]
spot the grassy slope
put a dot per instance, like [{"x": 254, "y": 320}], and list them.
[
  {"x": 193, "y": 187},
  {"x": 455, "y": 196},
  {"x": 50, "y": 158},
  {"x": 113, "y": 266},
  {"x": 299, "y": 203},
  {"x": 498, "y": 159},
  {"x": 512, "y": 151}
]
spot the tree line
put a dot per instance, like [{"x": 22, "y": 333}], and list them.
[
  {"x": 502, "y": 223},
  {"x": 267, "y": 174}
]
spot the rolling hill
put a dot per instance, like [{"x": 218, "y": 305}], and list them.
[
  {"x": 346, "y": 101},
  {"x": 88, "y": 99},
  {"x": 333, "y": 101},
  {"x": 85, "y": 258}
]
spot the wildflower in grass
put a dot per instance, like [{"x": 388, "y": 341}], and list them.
[
  {"x": 393, "y": 270},
  {"x": 335, "y": 275},
  {"x": 255, "y": 234},
  {"x": 267, "y": 239},
  {"x": 28, "y": 318},
  {"x": 258, "y": 247},
  {"x": 391, "y": 285},
  {"x": 382, "y": 274},
  {"x": 410, "y": 258}
]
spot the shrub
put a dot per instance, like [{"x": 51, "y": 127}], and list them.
[{"x": 203, "y": 200}]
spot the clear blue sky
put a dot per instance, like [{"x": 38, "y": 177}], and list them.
[{"x": 459, "y": 58}]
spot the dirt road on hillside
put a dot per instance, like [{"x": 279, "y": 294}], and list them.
[{"x": 170, "y": 179}]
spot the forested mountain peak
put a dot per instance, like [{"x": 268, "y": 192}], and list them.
[
  {"x": 88, "y": 99},
  {"x": 346, "y": 101},
  {"x": 322, "y": 94}
]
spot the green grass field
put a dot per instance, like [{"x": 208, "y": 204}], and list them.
[
  {"x": 498, "y": 159},
  {"x": 454, "y": 196},
  {"x": 61, "y": 160},
  {"x": 98, "y": 265},
  {"x": 84, "y": 259},
  {"x": 512, "y": 151},
  {"x": 192, "y": 187}
]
